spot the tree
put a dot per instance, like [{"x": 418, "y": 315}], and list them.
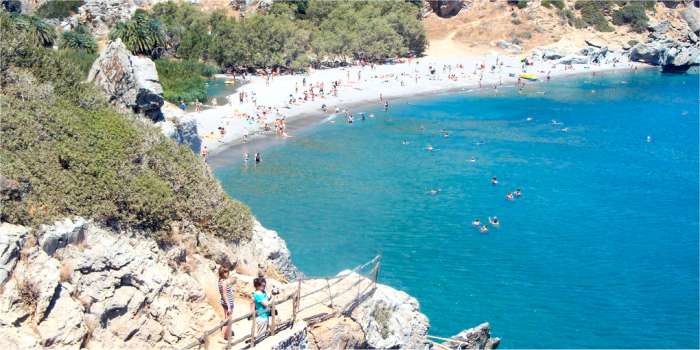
[
  {"x": 141, "y": 34},
  {"x": 80, "y": 39}
]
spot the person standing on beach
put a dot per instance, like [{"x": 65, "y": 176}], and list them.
[{"x": 204, "y": 153}]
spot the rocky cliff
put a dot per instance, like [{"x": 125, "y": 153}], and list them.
[{"x": 76, "y": 284}]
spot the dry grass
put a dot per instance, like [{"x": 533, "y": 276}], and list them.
[
  {"x": 28, "y": 294},
  {"x": 65, "y": 273}
]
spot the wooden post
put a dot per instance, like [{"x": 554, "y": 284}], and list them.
[
  {"x": 272, "y": 315},
  {"x": 376, "y": 271},
  {"x": 253, "y": 325},
  {"x": 295, "y": 302},
  {"x": 330, "y": 294},
  {"x": 229, "y": 331}
]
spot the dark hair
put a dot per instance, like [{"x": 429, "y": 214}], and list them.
[
  {"x": 223, "y": 271},
  {"x": 259, "y": 282}
]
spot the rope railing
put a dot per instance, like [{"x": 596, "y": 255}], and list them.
[{"x": 297, "y": 298}]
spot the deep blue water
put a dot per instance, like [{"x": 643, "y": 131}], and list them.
[{"x": 601, "y": 250}]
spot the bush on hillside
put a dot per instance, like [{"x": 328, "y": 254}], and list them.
[
  {"x": 59, "y": 9},
  {"x": 184, "y": 79},
  {"x": 70, "y": 153},
  {"x": 79, "y": 39},
  {"x": 38, "y": 31},
  {"x": 633, "y": 14},
  {"x": 593, "y": 14},
  {"x": 186, "y": 29}
]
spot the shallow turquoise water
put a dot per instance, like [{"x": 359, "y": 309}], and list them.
[{"x": 601, "y": 250}]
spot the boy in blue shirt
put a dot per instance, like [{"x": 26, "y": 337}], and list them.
[{"x": 261, "y": 303}]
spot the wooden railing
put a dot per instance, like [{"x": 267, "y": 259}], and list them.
[{"x": 296, "y": 298}]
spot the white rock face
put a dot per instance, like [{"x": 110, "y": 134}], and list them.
[
  {"x": 101, "y": 15},
  {"x": 61, "y": 233},
  {"x": 392, "y": 319},
  {"x": 478, "y": 337},
  {"x": 129, "y": 81},
  {"x": 11, "y": 240}
]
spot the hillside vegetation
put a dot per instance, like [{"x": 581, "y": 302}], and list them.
[{"x": 66, "y": 151}]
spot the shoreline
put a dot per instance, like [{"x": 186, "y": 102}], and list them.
[
  {"x": 301, "y": 123},
  {"x": 392, "y": 81}
]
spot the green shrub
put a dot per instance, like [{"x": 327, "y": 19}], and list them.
[
  {"x": 633, "y": 14},
  {"x": 59, "y": 9},
  {"x": 593, "y": 14},
  {"x": 80, "y": 39},
  {"x": 556, "y": 3},
  {"x": 141, "y": 34},
  {"x": 38, "y": 30},
  {"x": 184, "y": 79},
  {"x": 521, "y": 4},
  {"x": 71, "y": 153}
]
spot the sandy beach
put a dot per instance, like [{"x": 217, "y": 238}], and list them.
[{"x": 265, "y": 101}]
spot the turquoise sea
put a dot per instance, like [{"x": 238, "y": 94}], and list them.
[{"x": 601, "y": 251}]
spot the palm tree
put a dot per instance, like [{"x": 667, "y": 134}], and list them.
[
  {"x": 79, "y": 38},
  {"x": 141, "y": 35}
]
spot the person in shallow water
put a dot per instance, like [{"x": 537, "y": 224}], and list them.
[
  {"x": 386, "y": 106},
  {"x": 510, "y": 197},
  {"x": 493, "y": 220},
  {"x": 484, "y": 229},
  {"x": 476, "y": 222},
  {"x": 494, "y": 181},
  {"x": 429, "y": 148},
  {"x": 517, "y": 193},
  {"x": 258, "y": 158}
]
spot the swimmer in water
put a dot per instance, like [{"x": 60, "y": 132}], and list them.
[
  {"x": 565, "y": 129},
  {"x": 371, "y": 115},
  {"x": 476, "y": 222},
  {"x": 510, "y": 197},
  {"x": 429, "y": 148},
  {"x": 405, "y": 142},
  {"x": 494, "y": 181},
  {"x": 649, "y": 139},
  {"x": 517, "y": 193},
  {"x": 434, "y": 191},
  {"x": 472, "y": 160},
  {"x": 555, "y": 122},
  {"x": 529, "y": 119},
  {"x": 484, "y": 229},
  {"x": 245, "y": 157},
  {"x": 479, "y": 143},
  {"x": 494, "y": 221}
]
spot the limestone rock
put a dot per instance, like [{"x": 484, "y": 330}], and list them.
[
  {"x": 61, "y": 233},
  {"x": 692, "y": 16},
  {"x": 179, "y": 127},
  {"x": 337, "y": 333},
  {"x": 660, "y": 27},
  {"x": 18, "y": 338},
  {"x": 12, "y": 238},
  {"x": 64, "y": 326},
  {"x": 478, "y": 337},
  {"x": 129, "y": 81},
  {"x": 573, "y": 59},
  {"x": 101, "y": 15},
  {"x": 446, "y": 8},
  {"x": 392, "y": 319},
  {"x": 670, "y": 54}
]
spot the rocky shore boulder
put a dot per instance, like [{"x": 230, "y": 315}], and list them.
[
  {"x": 671, "y": 55},
  {"x": 478, "y": 337},
  {"x": 129, "y": 81},
  {"x": 392, "y": 319},
  {"x": 692, "y": 16}
]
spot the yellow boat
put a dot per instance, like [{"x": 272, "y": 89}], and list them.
[{"x": 528, "y": 76}]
